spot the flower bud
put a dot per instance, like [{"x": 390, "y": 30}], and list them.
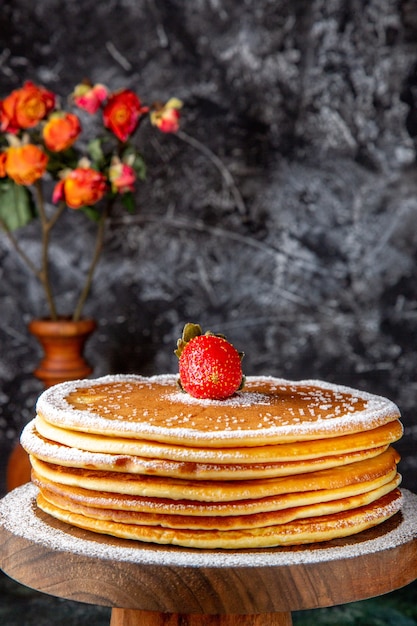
[
  {"x": 25, "y": 164},
  {"x": 122, "y": 176},
  {"x": 122, "y": 113},
  {"x": 89, "y": 97},
  {"x": 166, "y": 117},
  {"x": 82, "y": 186},
  {"x": 61, "y": 131},
  {"x": 25, "y": 107}
]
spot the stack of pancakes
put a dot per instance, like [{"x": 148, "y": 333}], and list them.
[{"x": 279, "y": 463}]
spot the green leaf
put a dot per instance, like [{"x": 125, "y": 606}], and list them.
[
  {"x": 140, "y": 167},
  {"x": 96, "y": 152},
  {"x": 128, "y": 201},
  {"x": 61, "y": 160},
  {"x": 16, "y": 205},
  {"x": 91, "y": 212}
]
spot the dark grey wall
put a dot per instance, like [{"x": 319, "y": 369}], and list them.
[{"x": 300, "y": 243}]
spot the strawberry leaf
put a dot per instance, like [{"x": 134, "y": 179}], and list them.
[{"x": 189, "y": 332}]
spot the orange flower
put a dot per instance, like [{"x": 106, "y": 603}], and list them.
[
  {"x": 80, "y": 187},
  {"x": 89, "y": 97},
  {"x": 122, "y": 113},
  {"x": 122, "y": 176},
  {"x": 166, "y": 117},
  {"x": 25, "y": 164},
  {"x": 61, "y": 131},
  {"x": 25, "y": 107}
]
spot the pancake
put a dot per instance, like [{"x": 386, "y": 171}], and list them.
[
  {"x": 278, "y": 463},
  {"x": 49, "y": 451},
  {"x": 309, "y": 530},
  {"x": 345, "y": 476},
  {"x": 300, "y": 450},
  {"x": 267, "y": 411},
  {"x": 129, "y": 510}
]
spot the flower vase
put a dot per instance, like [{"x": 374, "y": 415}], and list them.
[{"x": 63, "y": 344}]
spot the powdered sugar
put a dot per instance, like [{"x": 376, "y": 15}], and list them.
[
  {"x": 19, "y": 516},
  {"x": 43, "y": 449},
  {"x": 321, "y": 409},
  {"x": 248, "y": 398}
]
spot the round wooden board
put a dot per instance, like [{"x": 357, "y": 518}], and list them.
[{"x": 64, "y": 561}]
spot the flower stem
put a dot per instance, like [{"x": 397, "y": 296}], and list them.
[
  {"x": 46, "y": 227},
  {"x": 96, "y": 256},
  {"x": 19, "y": 250},
  {"x": 41, "y": 273}
]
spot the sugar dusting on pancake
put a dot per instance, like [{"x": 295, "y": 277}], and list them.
[
  {"x": 21, "y": 504},
  {"x": 295, "y": 450},
  {"x": 268, "y": 410},
  {"x": 310, "y": 530},
  {"x": 135, "y": 457}
]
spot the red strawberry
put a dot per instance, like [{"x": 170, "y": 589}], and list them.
[{"x": 209, "y": 366}]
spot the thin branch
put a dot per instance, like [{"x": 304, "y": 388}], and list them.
[
  {"x": 96, "y": 256},
  {"x": 117, "y": 56},
  {"x": 61, "y": 208},
  {"x": 20, "y": 251},
  {"x": 228, "y": 178},
  {"x": 46, "y": 229}
]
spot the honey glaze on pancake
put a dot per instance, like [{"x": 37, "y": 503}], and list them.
[{"x": 268, "y": 410}]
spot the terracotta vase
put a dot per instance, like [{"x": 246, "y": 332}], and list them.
[{"x": 63, "y": 344}]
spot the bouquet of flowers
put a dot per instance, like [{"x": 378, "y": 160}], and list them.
[{"x": 40, "y": 141}]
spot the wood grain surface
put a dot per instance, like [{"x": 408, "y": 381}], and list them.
[{"x": 122, "y": 617}]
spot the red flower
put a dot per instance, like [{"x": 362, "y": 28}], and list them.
[
  {"x": 122, "y": 113},
  {"x": 166, "y": 117},
  {"x": 25, "y": 107},
  {"x": 80, "y": 187},
  {"x": 24, "y": 164},
  {"x": 89, "y": 97},
  {"x": 61, "y": 131},
  {"x": 3, "y": 159}
]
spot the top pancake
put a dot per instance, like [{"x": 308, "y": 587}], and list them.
[{"x": 268, "y": 411}]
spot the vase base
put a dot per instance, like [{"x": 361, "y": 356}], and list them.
[
  {"x": 52, "y": 376},
  {"x": 18, "y": 468},
  {"x": 63, "y": 343}
]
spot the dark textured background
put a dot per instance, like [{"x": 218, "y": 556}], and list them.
[
  {"x": 285, "y": 216},
  {"x": 285, "y": 213}
]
